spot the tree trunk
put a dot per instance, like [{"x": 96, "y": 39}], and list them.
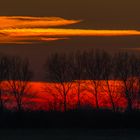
[
  {"x": 129, "y": 104},
  {"x": 96, "y": 101},
  {"x": 79, "y": 103},
  {"x": 1, "y": 102},
  {"x": 65, "y": 103},
  {"x": 96, "y": 94},
  {"x": 111, "y": 99},
  {"x": 19, "y": 105}
]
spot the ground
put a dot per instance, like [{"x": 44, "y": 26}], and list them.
[{"x": 69, "y": 134}]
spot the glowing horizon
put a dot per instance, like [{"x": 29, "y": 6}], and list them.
[{"x": 41, "y": 94}]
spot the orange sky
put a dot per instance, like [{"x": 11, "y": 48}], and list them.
[
  {"x": 37, "y": 36},
  {"x": 43, "y": 96},
  {"x": 26, "y": 30}
]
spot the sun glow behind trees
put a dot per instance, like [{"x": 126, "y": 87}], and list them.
[
  {"x": 93, "y": 79},
  {"x": 43, "y": 96}
]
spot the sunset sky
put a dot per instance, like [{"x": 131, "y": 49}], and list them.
[{"x": 34, "y": 29}]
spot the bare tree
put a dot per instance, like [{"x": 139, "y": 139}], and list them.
[
  {"x": 55, "y": 102},
  {"x": 125, "y": 70},
  {"x": 107, "y": 75},
  {"x": 79, "y": 72},
  {"x": 19, "y": 76},
  {"x": 135, "y": 80},
  {"x": 95, "y": 66},
  {"x": 58, "y": 70},
  {"x": 94, "y": 69},
  {"x": 3, "y": 77}
]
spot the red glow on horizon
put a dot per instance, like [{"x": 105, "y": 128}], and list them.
[{"x": 43, "y": 96}]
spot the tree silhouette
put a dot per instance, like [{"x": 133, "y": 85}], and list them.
[
  {"x": 3, "y": 76},
  {"x": 126, "y": 71},
  {"x": 107, "y": 75},
  {"x": 79, "y": 74},
  {"x": 19, "y": 76},
  {"x": 134, "y": 80},
  {"x": 58, "y": 70},
  {"x": 94, "y": 69}
]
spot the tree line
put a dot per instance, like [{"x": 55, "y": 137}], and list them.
[
  {"x": 72, "y": 71},
  {"x": 99, "y": 68},
  {"x": 15, "y": 76}
]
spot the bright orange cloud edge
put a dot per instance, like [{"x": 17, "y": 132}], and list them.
[{"x": 28, "y": 30}]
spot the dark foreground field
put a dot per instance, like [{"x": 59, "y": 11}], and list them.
[
  {"x": 70, "y": 125},
  {"x": 72, "y": 119},
  {"x": 69, "y": 134}
]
